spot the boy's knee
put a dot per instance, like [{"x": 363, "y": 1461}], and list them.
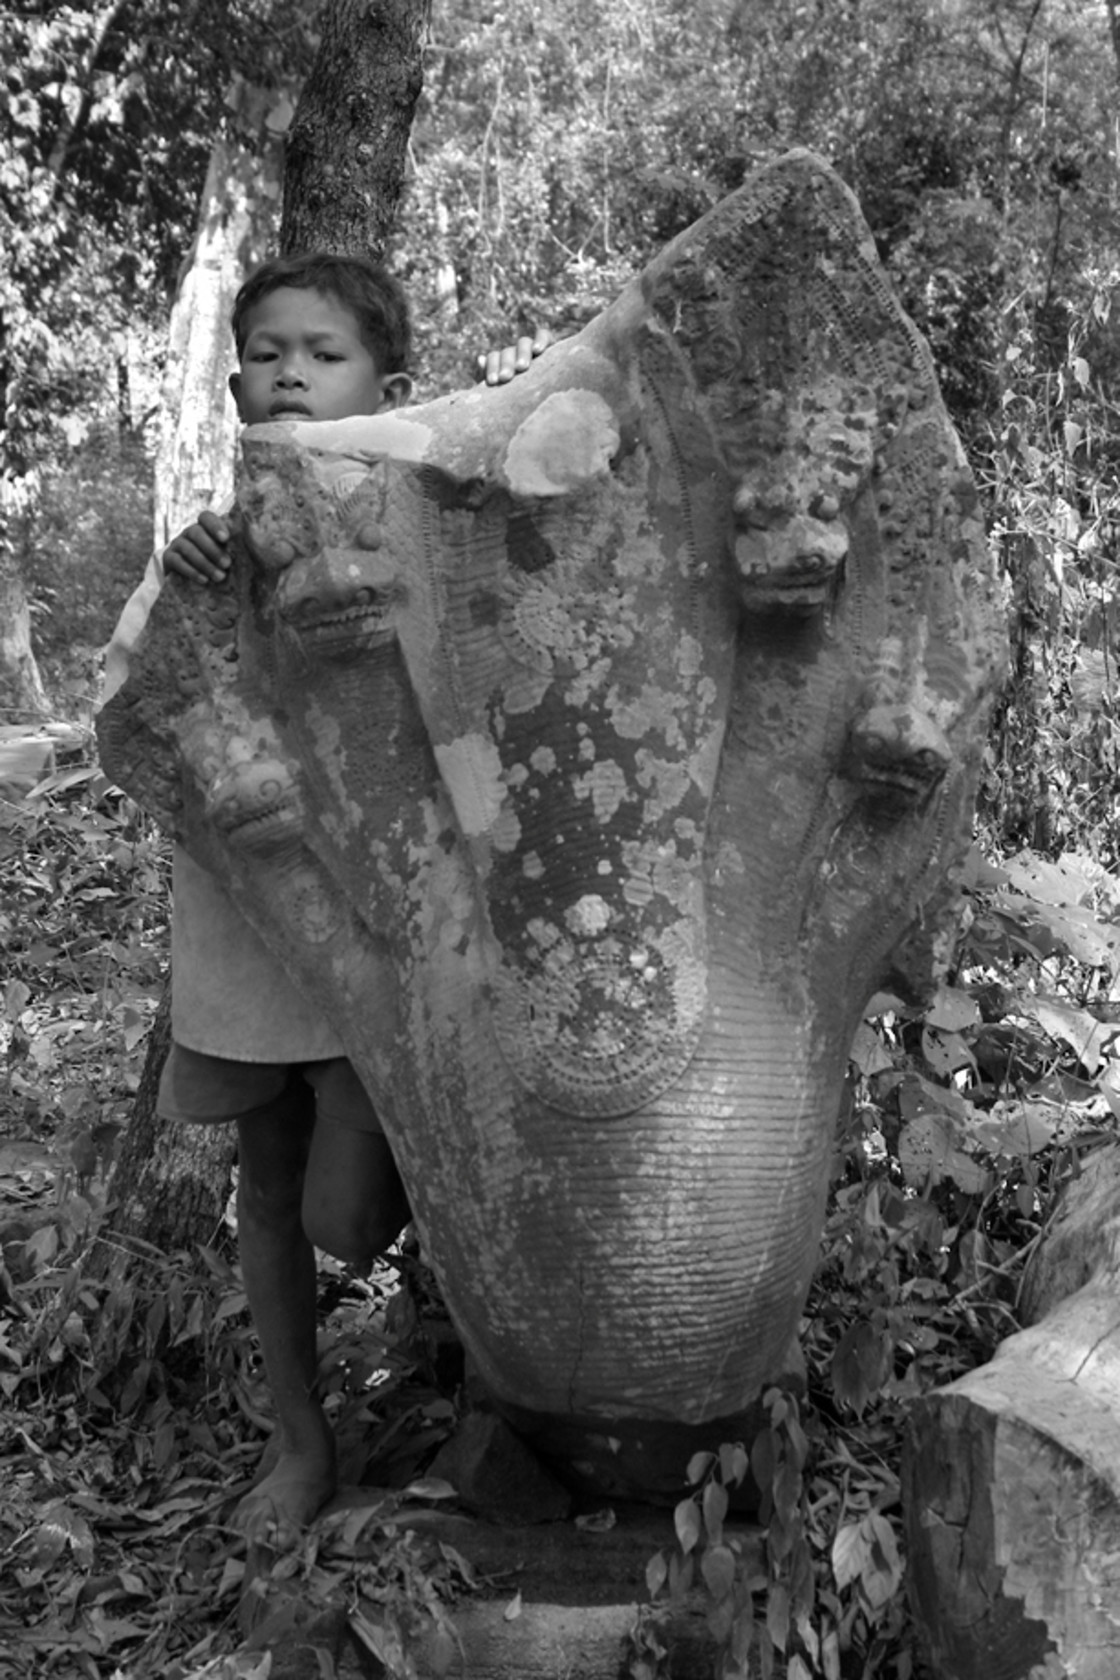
[
  {"x": 358, "y": 1220},
  {"x": 356, "y": 1236}
]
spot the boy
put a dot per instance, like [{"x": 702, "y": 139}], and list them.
[{"x": 319, "y": 337}]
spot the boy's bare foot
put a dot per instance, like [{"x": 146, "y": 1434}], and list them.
[{"x": 290, "y": 1496}]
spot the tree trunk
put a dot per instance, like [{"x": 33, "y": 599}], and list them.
[
  {"x": 1011, "y": 1477},
  {"x": 22, "y": 696},
  {"x": 347, "y": 148},
  {"x": 1114, "y": 31},
  {"x": 171, "y": 1180},
  {"x": 236, "y": 224}
]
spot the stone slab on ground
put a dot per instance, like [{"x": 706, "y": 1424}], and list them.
[{"x": 559, "y": 1600}]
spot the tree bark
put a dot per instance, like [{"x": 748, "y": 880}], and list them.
[
  {"x": 171, "y": 1181},
  {"x": 1011, "y": 1476},
  {"x": 348, "y": 143},
  {"x": 236, "y": 224},
  {"x": 1114, "y": 30},
  {"x": 22, "y": 696}
]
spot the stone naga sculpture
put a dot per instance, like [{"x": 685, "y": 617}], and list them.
[{"x": 592, "y": 748}]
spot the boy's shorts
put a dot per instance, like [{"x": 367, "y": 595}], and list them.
[{"x": 211, "y": 1089}]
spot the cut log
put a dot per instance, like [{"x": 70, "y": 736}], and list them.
[{"x": 1011, "y": 1475}]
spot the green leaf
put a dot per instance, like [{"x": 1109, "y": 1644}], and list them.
[
  {"x": 868, "y": 1052},
  {"x": 777, "y": 1614},
  {"x": 929, "y": 1151},
  {"x": 762, "y": 1459},
  {"x": 430, "y": 1487},
  {"x": 851, "y": 1550},
  {"x": 952, "y": 1010},
  {"x": 859, "y": 1364},
  {"x": 1085, "y": 1035},
  {"x": 1015, "y": 1127},
  {"x": 680, "y": 1575},
  {"x": 714, "y": 1504},
  {"x": 719, "y": 1619},
  {"x": 717, "y": 1566},
  {"x": 883, "y": 1573},
  {"x": 657, "y": 1571},
  {"x": 698, "y": 1466},
  {"x": 946, "y": 1052},
  {"x": 686, "y": 1521},
  {"x": 733, "y": 1462}
]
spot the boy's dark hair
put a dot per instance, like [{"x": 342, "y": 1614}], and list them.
[{"x": 375, "y": 296}]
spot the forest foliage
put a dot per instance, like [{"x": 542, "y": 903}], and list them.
[{"x": 557, "y": 145}]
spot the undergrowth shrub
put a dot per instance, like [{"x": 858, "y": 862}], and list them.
[{"x": 85, "y": 547}]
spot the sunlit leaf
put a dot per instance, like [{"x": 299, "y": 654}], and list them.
[
  {"x": 946, "y": 1052},
  {"x": 1017, "y": 1128},
  {"x": 929, "y": 1150},
  {"x": 717, "y": 1566},
  {"x": 952, "y": 1010},
  {"x": 657, "y": 1571},
  {"x": 698, "y": 1466},
  {"x": 686, "y": 1521},
  {"x": 1085, "y": 1035},
  {"x": 733, "y": 1463},
  {"x": 851, "y": 1550},
  {"x": 431, "y": 1487},
  {"x": 868, "y": 1052}
]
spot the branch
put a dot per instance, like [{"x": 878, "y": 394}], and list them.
[{"x": 101, "y": 25}]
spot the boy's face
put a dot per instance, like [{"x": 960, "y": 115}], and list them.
[{"x": 305, "y": 359}]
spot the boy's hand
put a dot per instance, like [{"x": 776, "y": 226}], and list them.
[
  {"x": 200, "y": 553},
  {"x": 497, "y": 367}
]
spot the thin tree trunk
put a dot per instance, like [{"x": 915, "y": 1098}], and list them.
[
  {"x": 82, "y": 76},
  {"x": 22, "y": 696},
  {"x": 347, "y": 148},
  {"x": 171, "y": 1181},
  {"x": 236, "y": 225},
  {"x": 1114, "y": 30}
]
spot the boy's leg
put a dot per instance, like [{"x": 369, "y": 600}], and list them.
[
  {"x": 274, "y": 1113},
  {"x": 354, "y": 1205},
  {"x": 278, "y": 1269}
]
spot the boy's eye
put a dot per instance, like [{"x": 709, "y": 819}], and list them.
[{"x": 328, "y": 356}]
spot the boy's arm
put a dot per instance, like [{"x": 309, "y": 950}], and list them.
[
  {"x": 498, "y": 367},
  {"x": 118, "y": 649}
]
